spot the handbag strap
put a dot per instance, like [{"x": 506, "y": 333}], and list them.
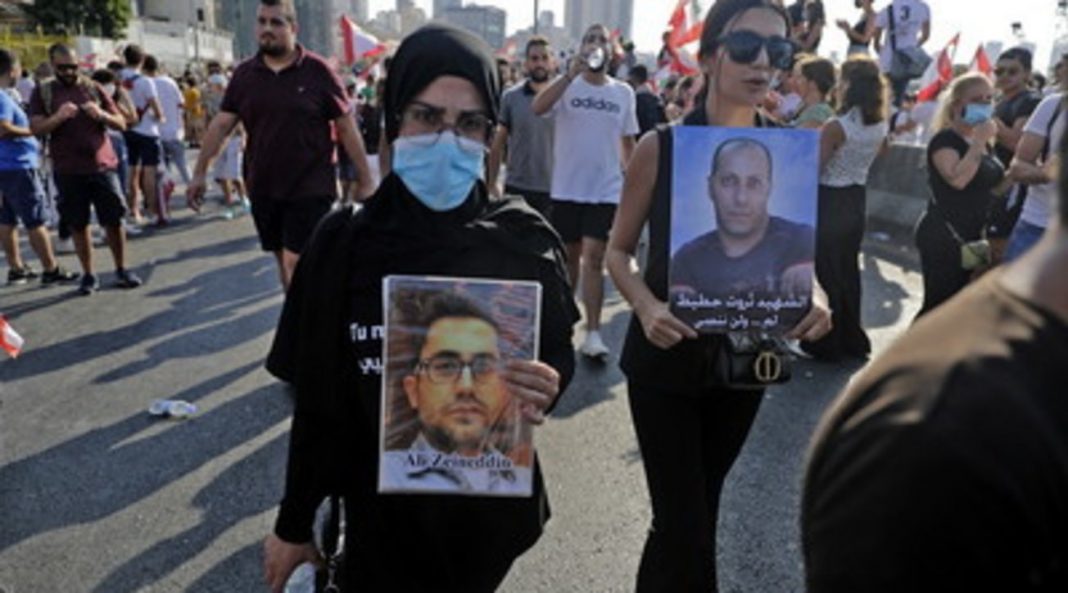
[{"x": 953, "y": 230}]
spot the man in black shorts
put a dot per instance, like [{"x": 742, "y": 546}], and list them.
[
  {"x": 76, "y": 116},
  {"x": 595, "y": 125},
  {"x": 289, "y": 171}
]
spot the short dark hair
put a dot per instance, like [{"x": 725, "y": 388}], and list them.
[
  {"x": 536, "y": 41},
  {"x": 7, "y": 62},
  {"x": 104, "y": 76},
  {"x": 115, "y": 66},
  {"x": 133, "y": 54},
  {"x": 639, "y": 74},
  {"x": 820, "y": 71},
  {"x": 1019, "y": 54},
  {"x": 288, "y": 10},
  {"x": 59, "y": 49},
  {"x": 738, "y": 144},
  {"x": 447, "y": 304},
  {"x": 151, "y": 64}
]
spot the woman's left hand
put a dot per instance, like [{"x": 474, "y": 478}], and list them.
[
  {"x": 535, "y": 383},
  {"x": 817, "y": 323}
]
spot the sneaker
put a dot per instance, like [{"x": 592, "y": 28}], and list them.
[
  {"x": 127, "y": 279},
  {"x": 246, "y": 206},
  {"x": 594, "y": 346},
  {"x": 88, "y": 285},
  {"x": 131, "y": 227},
  {"x": 65, "y": 245},
  {"x": 60, "y": 274},
  {"x": 20, "y": 275}
]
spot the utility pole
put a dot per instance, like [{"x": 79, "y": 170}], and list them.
[{"x": 536, "y": 19}]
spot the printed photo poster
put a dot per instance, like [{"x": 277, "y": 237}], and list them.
[
  {"x": 449, "y": 423},
  {"x": 743, "y": 219}
]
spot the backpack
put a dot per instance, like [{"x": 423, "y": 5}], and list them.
[{"x": 84, "y": 82}]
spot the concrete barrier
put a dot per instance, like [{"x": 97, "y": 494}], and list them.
[{"x": 897, "y": 186}]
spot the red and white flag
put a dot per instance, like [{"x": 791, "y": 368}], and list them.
[
  {"x": 357, "y": 43},
  {"x": 939, "y": 73},
  {"x": 680, "y": 51},
  {"x": 10, "y": 341},
  {"x": 981, "y": 62}
]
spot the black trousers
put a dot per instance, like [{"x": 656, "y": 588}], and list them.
[
  {"x": 940, "y": 262},
  {"x": 689, "y": 442},
  {"x": 839, "y": 233}
]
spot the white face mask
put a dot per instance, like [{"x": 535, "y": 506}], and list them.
[{"x": 109, "y": 90}]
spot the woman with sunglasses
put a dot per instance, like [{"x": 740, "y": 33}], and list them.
[
  {"x": 689, "y": 428},
  {"x": 965, "y": 179}
]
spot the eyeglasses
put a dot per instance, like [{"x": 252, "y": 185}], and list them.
[
  {"x": 444, "y": 369},
  {"x": 744, "y": 47},
  {"x": 1006, "y": 71},
  {"x": 595, "y": 39},
  {"x": 66, "y": 67},
  {"x": 427, "y": 119}
]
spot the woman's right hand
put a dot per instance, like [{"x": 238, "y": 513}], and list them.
[
  {"x": 280, "y": 558},
  {"x": 662, "y": 328},
  {"x": 985, "y": 132}
]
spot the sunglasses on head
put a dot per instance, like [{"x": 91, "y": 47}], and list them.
[{"x": 744, "y": 47}]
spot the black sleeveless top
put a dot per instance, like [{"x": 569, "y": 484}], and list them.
[{"x": 687, "y": 366}]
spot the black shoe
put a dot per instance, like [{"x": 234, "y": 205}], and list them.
[
  {"x": 127, "y": 279},
  {"x": 20, "y": 275},
  {"x": 88, "y": 285},
  {"x": 59, "y": 274}
]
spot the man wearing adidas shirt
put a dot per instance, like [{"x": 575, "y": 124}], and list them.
[{"x": 595, "y": 124}]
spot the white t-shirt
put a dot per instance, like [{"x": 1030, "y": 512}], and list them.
[
  {"x": 1039, "y": 206},
  {"x": 909, "y": 17},
  {"x": 25, "y": 86},
  {"x": 171, "y": 101},
  {"x": 142, "y": 90},
  {"x": 590, "y": 122}
]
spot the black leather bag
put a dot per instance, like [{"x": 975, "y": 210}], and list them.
[{"x": 748, "y": 362}]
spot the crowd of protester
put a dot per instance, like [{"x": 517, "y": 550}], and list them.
[{"x": 552, "y": 169}]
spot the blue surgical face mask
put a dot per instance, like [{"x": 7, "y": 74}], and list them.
[
  {"x": 977, "y": 113},
  {"x": 440, "y": 168}
]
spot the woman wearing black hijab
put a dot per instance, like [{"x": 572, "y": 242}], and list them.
[{"x": 430, "y": 216}]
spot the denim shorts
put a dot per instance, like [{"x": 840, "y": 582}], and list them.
[{"x": 23, "y": 198}]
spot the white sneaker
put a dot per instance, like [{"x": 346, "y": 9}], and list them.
[
  {"x": 594, "y": 346},
  {"x": 65, "y": 245},
  {"x": 131, "y": 227}
]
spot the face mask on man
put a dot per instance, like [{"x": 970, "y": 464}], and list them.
[
  {"x": 439, "y": 168},
  {"x": 109, "y": 90}
]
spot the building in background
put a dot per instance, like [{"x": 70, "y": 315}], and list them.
[
  {"x": 488, "y": 22},
  {"x": 440, "y": 6},
  {"x": 615, "y": 14},
  {"x": 559, "y": 37}
]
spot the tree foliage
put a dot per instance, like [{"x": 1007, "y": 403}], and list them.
[{"x": 102, "y": 18}]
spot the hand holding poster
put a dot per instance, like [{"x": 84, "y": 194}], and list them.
[
  {"x": 449, "y": 424},
  {"x": 743, "y": 228}
]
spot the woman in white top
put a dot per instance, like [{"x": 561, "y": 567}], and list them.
[{"x": 849, "y": 144}]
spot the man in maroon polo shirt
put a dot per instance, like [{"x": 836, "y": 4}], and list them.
[
  {"x": 76, "y": 117},
  {"x": 289, "y": 101}
]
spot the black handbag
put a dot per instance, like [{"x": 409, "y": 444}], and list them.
[{"x": 747, "y": 362}]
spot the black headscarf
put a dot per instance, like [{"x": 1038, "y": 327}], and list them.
[{"x": 433, "y": 51}]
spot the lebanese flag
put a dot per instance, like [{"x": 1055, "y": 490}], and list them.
[
  {"x": 10, "y": 341},
  {"x": 358, "y": 44},
  {"x": 509, "y": 50},
  {"x": 684, "y": 28},
  {"x": 981, "y": 62},
  {"x": 939, "y": 73}
]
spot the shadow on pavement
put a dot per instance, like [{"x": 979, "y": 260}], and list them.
[
  {"x": 95, "y": 475},
  {"x": 594, "y": 380},
  {"x": 236, "y": 494},
  {"x": 210, "y": 301},
  {"x": 882, "y": 301}
]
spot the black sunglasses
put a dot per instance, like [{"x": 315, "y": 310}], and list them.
[{"x": 744, "y": 47}]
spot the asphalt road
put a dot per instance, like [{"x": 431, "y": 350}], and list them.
[{"x": 97, "y": 496}]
